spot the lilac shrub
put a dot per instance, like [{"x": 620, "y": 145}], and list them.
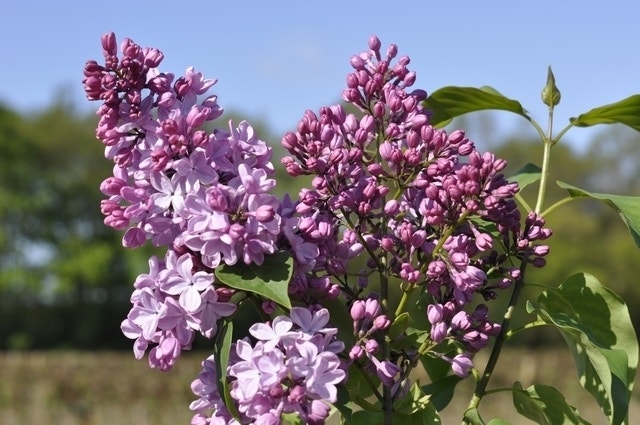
[{"x": 395, "y": 205}]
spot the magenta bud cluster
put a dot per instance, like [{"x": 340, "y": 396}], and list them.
[{"x": 428, "y": 208}]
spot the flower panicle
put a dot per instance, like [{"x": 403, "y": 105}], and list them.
[{"x": 391, "y": 199}]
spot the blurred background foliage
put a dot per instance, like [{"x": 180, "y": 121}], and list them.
[{"x": 65, "y": 279}]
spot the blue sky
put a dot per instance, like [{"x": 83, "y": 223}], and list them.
[{"x": 276, "y": 59}]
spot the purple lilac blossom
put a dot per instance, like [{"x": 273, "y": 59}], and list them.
[
  {"x": 293, "y": 367},
  {"x": 205, "y": 196},
  {"x": 422, "y": 205},
  {"x": 417, "y": 201}
]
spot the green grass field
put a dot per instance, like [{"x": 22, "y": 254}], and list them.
[{"x": 69, "y": 388}]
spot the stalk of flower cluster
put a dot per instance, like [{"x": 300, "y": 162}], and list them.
[
  {"x": 481, "y": 385},
  {"x": 429, "y": 234}
]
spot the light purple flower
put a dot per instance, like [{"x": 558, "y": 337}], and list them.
[{"x": 188, "y": 285}]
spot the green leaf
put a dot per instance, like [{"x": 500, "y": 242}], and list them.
[
  {"x": 627, "y": 207},
  {"x": 426, "y": 416},
  {"x": 545, "y": 405},
  {"x": 472, "y": 417},
  {"x": 222, "y": 350},
  {"x": 291, "y": 419},
  {"x": 341, "y": 319},
  {"x": 442, "y": 391},
  {"x": 367, "y": 417},
  {"x": 434, "y": 365},
  {"x": 626, "y": 111},
  {"x": 399, "y": 325},
  {"x": 450, "y": 102},
  {"x": 416, "y": 400},
  {"x": 270, "y": 279},
  {"x": 528, "y": 174},
  {"x": 343, "y": 405},
  {"x": 499, "y": 422},
  {"x": 358, "y": 387},
  {"x": 597, "y": 327}
]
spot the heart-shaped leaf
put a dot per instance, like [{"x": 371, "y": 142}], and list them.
[
  {"x": 545, "y": 405},
  {"x": 628, "y": 207},
  {"x": 597, "y": 327},
  {"x": 626, "y": 111},
  {"x": 269, "y": 279},
  {"x": 450, "y": 102},
  {"x": 528, "y": 174}
]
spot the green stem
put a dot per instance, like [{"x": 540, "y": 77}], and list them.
[
  {"x": 557, "y": 204},
  {"x": 546, "y": 155},
  {"x": 561, "y": 133},
  {"x": 403, "y": 301},
  {"x": 524, "y": 203},
  {"x": 530, "y": 325},
  {"x": 481, "y": 385}
]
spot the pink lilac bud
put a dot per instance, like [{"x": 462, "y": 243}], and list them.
[
  {"x": 112, "y": 186},
  {"x": 387, "y": 243},
  {"x": 374, "y": 43},
  {"x": 392, "y": 51},
  {"x": 109, "y": 44},
  {"x": 371, "y": 346},
  {"x": 435, "y": 313},
  {"x": 317, "y": 413},
  {"x": 265, "y": 213},
  {"x": 357, "y": 62},
  {"x": 152, "y": 57},
  {"x": 462, "y": 364},
  {"x": 381, "y": 322},
  {"x": 461, "y": 321},
  {"x": 438, "y": 332},
  {"x": 356, "y": 352},
  {"x": 372, "y": 308},
  {"x": 358, "y": 310},
  {"x": 541, "y": 250}
]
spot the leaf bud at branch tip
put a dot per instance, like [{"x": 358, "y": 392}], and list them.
[{"x": 550, "y": 93}]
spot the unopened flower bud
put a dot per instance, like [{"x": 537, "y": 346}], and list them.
[
  {"x": 374, "y": 43},
  {"x": 109, "y": 43},
  {"x": 265, "y": 213},
  {"x": 112, "y": 185},
  {"x": 356, "y": 352},
  {"x": 357, "y": 62},
  {"x": 550, "y": 93},
  {"x": 357, "y": 310},
  {"x": 371, "y": 346},
  {"x": 392, "y": 51},
  {"x": 541, "y": 250},
  {"x": 461, "y": 365},
  {"x": 381, "y": 322},
  {"x": 372, "y": 308},
  {"x": 435, "y": 313},
  {"x": 152, "y": 57}
]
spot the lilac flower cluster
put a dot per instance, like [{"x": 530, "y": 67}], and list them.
[
  {"x": 292, "y": 368},
  {"x": 421, "y": 203},
  {"x": 392, "y": 201},
  {"x": 203, "y": 195},
  {"x": 206, "y": 197}
]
